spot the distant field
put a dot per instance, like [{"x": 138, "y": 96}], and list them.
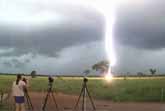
[{"x": 132, "y": 89}]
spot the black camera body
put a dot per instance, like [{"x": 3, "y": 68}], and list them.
[
  {"x": 24, "y": 80},
  {"x": 51, "y": 80}
]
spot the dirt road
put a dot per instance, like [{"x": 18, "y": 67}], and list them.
[{"x": 67, "y": 103}]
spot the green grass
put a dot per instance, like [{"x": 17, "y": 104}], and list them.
[
  {"x": 3, "y": 107},
  {"x": 6, "y": 82},
  {"x": 132, "y": 89}
]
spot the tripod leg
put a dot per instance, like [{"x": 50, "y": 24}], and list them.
[
  {"x": 94, "y": 108},
  {"x": 29, "y": 101},
  {"x": 83, "y": 107},
  {"x": 54, "y": 99},
  {"x": 45, "y": 101},
  {"x": 79, "y": 97}
]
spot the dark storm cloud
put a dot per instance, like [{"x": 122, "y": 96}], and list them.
[
  {"x": 78, "y": 25},
  {"x": 48, "y": 40},
  {"x": 34, "y": 33},
  {"x": 141, "y": 25},
  {"x": 7, "y": 64},
  {"x": 16, "y": 63}
]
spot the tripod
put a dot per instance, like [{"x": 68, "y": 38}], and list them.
[
  {"x": 49, "y": 93},
  {"x": 83, "y": 91},
  {"x": 29, "y": 103}
]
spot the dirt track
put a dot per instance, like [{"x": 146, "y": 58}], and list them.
[{"x": 67, "y": 102}]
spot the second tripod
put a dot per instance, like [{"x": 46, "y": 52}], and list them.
[
  {"x": 28, "y": 100},
  {"x": 29, "y": 103},
  {"x": 49, "y": 94},
  {"x": 83, "y": 92}
]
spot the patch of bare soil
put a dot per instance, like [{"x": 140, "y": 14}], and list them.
[{"x": 67, "y": 103}]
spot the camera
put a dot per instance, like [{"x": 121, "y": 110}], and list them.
[
  {"x": 24, "y": 80},
  {"x": 50, "y": 79},
  {"x": 50, "y": 84}
]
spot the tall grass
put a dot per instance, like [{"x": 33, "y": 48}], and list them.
[{"x": 132, "y": 89}]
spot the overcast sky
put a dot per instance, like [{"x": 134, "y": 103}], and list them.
[{"x": 62, "y": 37}]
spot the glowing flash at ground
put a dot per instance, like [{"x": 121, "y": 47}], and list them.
[{"x": 108, "y": 77}]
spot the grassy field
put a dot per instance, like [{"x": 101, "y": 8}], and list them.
[{"x": 150, "y": 89}]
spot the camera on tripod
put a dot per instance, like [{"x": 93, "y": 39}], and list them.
[
  {"x": 50, "y": 80},
  {"x": 30, "y": 105},
  {"x": 83, "y": 92},
  {"x": 50, "y": 93}
]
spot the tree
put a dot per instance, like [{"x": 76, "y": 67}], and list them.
[
  {"x": 102, "y": 65},
  {"x": 140, "y": 74},
  {"x": 33, "y": 74},
  {"x": 153, "y": 71},
  {"x": 86, "y": 72}
]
